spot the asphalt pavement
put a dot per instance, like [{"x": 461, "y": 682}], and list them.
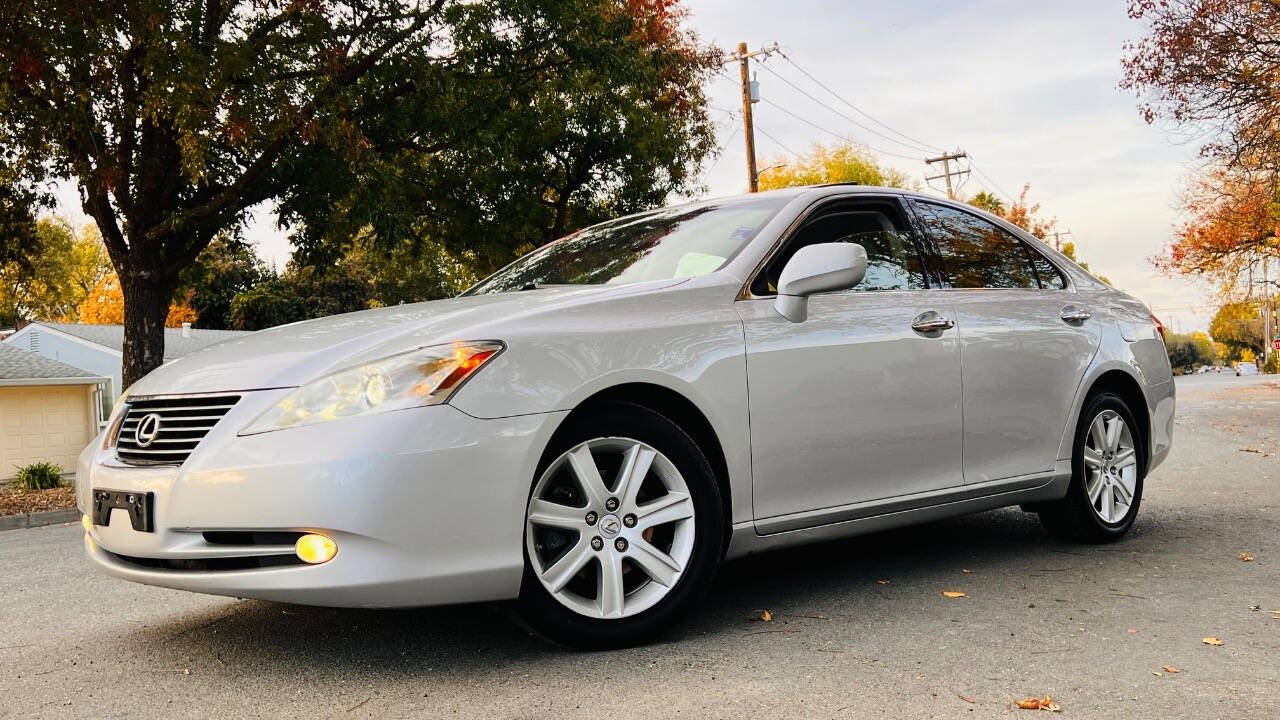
[{"x": 859, "y": 628}]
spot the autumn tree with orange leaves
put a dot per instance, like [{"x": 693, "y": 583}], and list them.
[
  {"x": 1210, "y": 68},
  {"x": 104, "y": 305},
  {"x": 1231, "y": 226}
]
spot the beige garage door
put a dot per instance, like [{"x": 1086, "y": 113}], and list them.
[{"x": 45, "y": 423}]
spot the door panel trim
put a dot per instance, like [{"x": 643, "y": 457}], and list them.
[
  {"x": 902, "y": 503},
  {"x": 746, "y": 539}
]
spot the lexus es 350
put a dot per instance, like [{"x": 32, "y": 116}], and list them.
[{"x": 591, "y": 430}]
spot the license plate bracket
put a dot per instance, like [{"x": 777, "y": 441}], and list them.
[{"x": 139, "y": 505}]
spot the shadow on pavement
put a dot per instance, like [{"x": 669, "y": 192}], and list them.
[{"x": 326, "y": 645}]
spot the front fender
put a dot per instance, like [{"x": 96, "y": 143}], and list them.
[{"x": 693, "y": 347}]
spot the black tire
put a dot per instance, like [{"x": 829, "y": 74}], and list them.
[
  {"x": 1073, "y": 518},
  {"x": 558, "y": 623}
]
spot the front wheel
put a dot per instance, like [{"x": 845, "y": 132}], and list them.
[
  {"x": 1107, "y": 469},
  {"x": 623, "y": 530}
]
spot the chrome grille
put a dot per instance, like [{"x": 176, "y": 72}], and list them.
[{"x": 179, "y": 425}]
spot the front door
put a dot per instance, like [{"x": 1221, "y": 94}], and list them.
[{"x": 853, "y": 404}]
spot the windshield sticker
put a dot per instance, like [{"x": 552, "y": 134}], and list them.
[{"x": 694, "y": 264}]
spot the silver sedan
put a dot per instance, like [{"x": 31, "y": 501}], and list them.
[{"x": 594, "y": 428}]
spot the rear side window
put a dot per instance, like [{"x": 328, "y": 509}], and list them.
[
  {"x": 976, "y": 253},
  {"x": 878, "y": 226}
]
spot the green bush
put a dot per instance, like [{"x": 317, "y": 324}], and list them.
[
  {"x": 1272, "y": 365},
  {"x": 39, "y": 476}
]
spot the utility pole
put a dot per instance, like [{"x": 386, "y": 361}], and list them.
[
  {"x": 749, "y": 97},
  {"x": 1266, "y": 311},
  {"x": 1057, "y": 241},
  {"x": 748, "y": 126},
  {"x": 946, "y": 158}
]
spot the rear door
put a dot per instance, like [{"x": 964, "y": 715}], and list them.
[
  {"x": 853, "y": 404},
  {"x": 1026, "y": 339}
]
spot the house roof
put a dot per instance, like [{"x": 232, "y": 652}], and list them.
[
  {"x": 175, "y": 343},
  {"x": 17, "y": 365}
]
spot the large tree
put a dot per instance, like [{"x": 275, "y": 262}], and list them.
[
  {"x": 365, "y": 276},
  {"x": 1210, "y": 66},
  {"x": 53, "y": 282},
  {"x": 1239, "y": 326},
  {"x": 226, "y": 268},
  {"x": 19, "y": 241},
  {"x": 1232, "y": 218},
  {"x": 176, "y": 117}
]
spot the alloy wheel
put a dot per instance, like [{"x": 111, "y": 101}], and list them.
[
  {"x": 610, "y": 527},
  {"x": 1111, "y": 466}
]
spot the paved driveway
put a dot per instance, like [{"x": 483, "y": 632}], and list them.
[{"x": 1091, "y": 626}]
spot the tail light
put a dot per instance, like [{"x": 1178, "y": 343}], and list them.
[{"x": 1159, "y": 326}]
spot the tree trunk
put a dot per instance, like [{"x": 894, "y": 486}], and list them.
[{"x": 146, "y": 306}]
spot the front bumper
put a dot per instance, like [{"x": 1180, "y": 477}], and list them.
[{"x": 426, "y": 507}]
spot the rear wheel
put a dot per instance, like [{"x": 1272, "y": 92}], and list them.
[
  {"x": 622, "y": 532},
  {"x": 1107, "y": 470}
]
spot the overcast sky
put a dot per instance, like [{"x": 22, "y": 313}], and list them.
[{"x": 1028, "y": 89}]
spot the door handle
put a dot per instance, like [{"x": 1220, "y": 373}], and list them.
[
  {"x": 931, "y": 322},
  {"x": 1073, "y": 314}
]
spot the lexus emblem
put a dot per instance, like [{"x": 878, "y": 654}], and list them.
[
  {"x": 610, "y": 525},
  {"x": 148, "y": 429}
]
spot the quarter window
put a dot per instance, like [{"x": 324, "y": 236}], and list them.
[
  {"x": 976, "y": 253},
  {"x": 1049, "y": 275}
]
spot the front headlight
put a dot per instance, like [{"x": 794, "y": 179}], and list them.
[{"x": 426, "y": 376}]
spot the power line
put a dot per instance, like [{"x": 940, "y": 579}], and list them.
[
  {"x": 836, "y": 134},
  {"x": 913, "y": 144},
  {"x": 873, "y": 131},
  {"x": 991, "y": 182},
  {"x": 727, "y": 140},
  {"x": 776, "y": 141},
  {"x": 865, "y": 114}
]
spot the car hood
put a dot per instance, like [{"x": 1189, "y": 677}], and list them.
[{"x": 291, "y": 355}]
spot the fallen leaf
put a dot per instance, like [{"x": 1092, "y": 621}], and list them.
[
  {"x": 965, "y": 570},
  {"x": 1211, "y": 641},
  {"x": 966, "y": 698},
  {"x": 1170, "y": 669},
  {"x": 1132, "y": 630},
  {"x": 766, "y": 616},
  {"x": 1255, "y": 608},
  {"x": 882, "y": 582},
  {"x": 1157, "y": 673},
  {"x": 954, "y": 594},
  {"x": 1035, "y": 703},
  {"x": 1245, "y": 557}
]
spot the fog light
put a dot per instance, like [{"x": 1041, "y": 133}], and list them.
[
  {"x": 315, "y": 549},
  {"x": 86, "y": 522}
]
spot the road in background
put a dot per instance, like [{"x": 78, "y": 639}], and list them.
[{"x": 860, "y": 628}]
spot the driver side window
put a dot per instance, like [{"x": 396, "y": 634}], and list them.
[{"x": 892, "y": 260}]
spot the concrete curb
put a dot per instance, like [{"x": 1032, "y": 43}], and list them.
[{"x": 36, "y": 519}]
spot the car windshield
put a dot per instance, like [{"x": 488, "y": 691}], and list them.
[{"x": 676, "y": 242}]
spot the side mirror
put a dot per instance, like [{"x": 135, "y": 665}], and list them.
[{"x": 820, "y": 268}]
